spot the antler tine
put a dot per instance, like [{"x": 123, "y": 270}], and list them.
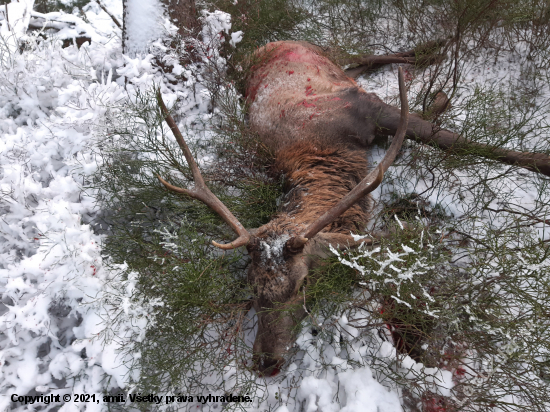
[
  {"x": 201, "y": 191},
  {"x": 369, "y": 183}
]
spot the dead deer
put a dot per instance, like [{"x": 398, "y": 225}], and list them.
[
  {"x": 306, "y": 110},
  {"x": 319, "y": 123}
]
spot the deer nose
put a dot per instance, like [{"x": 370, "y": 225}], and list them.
[{"x": 268, "y": 365}]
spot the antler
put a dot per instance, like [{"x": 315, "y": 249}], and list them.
[
  {"x": 368, "y": 184},
  {"x": 201, "y": 191}
]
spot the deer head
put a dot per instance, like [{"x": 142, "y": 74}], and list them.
[{"x": 283, "y": 251}]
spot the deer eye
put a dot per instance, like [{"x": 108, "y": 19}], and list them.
[{"x": 252, "y": 246}]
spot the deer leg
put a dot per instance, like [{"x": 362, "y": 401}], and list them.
[
  {"x": 387, "y": 120},
  {"x": 423, "y": 55},
  {"x": 374, "y": 62}
]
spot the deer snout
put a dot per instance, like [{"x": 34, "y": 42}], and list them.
[
  {"x": 272, "y": 342},
  {"x": 274, "y": 339},
  {"x": 267, "y": 364}
]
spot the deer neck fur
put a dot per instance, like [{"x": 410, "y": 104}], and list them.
[{"x": 317, "y": 177}]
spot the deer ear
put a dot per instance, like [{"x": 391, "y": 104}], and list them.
[{"x": 254, "y": 232}]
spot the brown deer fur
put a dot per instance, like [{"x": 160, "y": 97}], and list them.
[
  {"x": 298, "y": 95},
  {"x": 318, "y": 177}
]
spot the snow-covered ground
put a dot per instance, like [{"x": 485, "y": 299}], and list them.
[
  {"x": 57, "y": 293},
  {"x": 52, "y": 277}
]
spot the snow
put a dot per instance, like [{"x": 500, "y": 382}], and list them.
[
  {"x": 60, "y": 298},
  {"x": 14, "y": 27},
  {"x": 145, "y": 17},
  {"x": 364, "y": 393},
  {"x": 52, "y": 276}
]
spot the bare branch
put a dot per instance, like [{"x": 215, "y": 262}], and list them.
[
  {"x": 115, "y": 20},
  {"x": 528, "y": 215}
]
